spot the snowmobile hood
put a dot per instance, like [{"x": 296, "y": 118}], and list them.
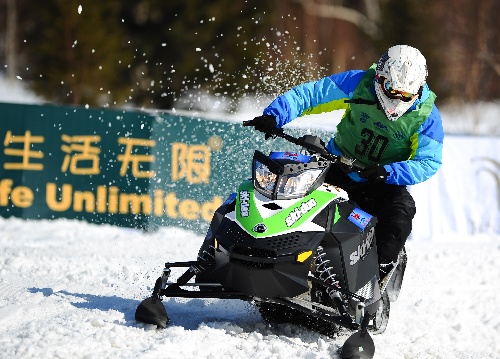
[{"x": 297, "y": 212}]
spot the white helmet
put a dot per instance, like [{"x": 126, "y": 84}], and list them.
[{"x": 400, "y": 76}]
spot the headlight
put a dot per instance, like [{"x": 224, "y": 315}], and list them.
[
  {"x": 299, "y": 184},
  {"x": 264, "y": 177},
  {"x": 285, "y": 178}
]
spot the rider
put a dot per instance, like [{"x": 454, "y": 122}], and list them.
[{"x": 391, "y": 126}]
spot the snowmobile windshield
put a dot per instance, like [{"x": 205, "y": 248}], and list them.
[
  {"x": 293, "y": 156},
  {"x": 281, "y": 176}
]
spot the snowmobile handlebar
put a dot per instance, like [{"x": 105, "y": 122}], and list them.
[{"x": 315, "y": 145}]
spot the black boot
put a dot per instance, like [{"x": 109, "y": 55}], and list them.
[{"x": 386, "y": 265}]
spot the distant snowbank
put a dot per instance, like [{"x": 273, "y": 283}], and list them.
[
  {"x": 466, "y": 119},
  {"x": 478, "y": 119},
  {"x": 15, "y": 91}
]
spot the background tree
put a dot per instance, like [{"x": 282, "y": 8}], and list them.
[
  {"x": 196, "y": 44},
  {"x": 473, "y": 48},
  {"x": 415, "y": 23},
  {"x": 332, "y": 35},
  {"x": 133, "y": 52},
  {"x": 152, "y": 52},
  {"x": 71, "y": 57}
]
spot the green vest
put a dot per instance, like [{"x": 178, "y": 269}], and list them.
[{"x": 367, "y": 135}]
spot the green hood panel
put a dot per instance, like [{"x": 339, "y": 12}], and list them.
[{"x": 286, "y": 220}]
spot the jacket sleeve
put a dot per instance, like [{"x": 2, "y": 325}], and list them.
[
  {"x": 327, "y": 94},
  {"x": 426, "y": 155}
]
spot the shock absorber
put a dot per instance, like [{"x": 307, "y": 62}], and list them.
[
  {"x": 324, "y": 270},
  {"x": 325, "y": 273}
]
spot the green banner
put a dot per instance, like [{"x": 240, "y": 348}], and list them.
[{"x": 123, "y": 167}]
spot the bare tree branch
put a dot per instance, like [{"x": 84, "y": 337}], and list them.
[
  {"x": 367, "y": 24},
  {"x": 11, "y": 35}
]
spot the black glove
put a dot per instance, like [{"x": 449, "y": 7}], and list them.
[
  {"x": 264, "y": 123},
  {"x": 374, "y": 174}
]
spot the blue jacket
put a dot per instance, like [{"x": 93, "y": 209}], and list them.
[{"x": 424, "y": 154}]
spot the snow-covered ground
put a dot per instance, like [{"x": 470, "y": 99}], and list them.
[{"x": 69, "y": 289}]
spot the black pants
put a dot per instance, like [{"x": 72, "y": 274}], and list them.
[{"x": 393, "y": 206}]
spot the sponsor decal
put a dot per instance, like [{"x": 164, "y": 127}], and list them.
[
  {"x": 294, "y": 156},
  {"x": 244, "y": 203},
  {"x": 398, "y": 135},
  {"x": 381, "y": 126},
  {"x": 299, "y": 211},
  {"x": 364, "y": 117},
  {"x": 364, "y": 248},
  {"x": 291, "y": 156},
  {"x": 359, "y": 217},
  {"x": 260, "y": 228},
  {"x": 382, "y": 61}
]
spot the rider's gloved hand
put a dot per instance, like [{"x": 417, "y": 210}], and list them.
[
  {"x": 375, "y": 174},
  {"x": 264, "y": 123}
]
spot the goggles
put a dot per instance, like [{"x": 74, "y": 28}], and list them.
[{"x": 395, "y": 94}]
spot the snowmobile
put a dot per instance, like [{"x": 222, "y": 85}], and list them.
[{"x": 295, "y": 246}]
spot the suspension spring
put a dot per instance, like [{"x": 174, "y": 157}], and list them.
[{"x": 325, "y": 272}]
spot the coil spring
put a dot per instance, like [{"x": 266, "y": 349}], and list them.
[{"x": 325, "y": 272}]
